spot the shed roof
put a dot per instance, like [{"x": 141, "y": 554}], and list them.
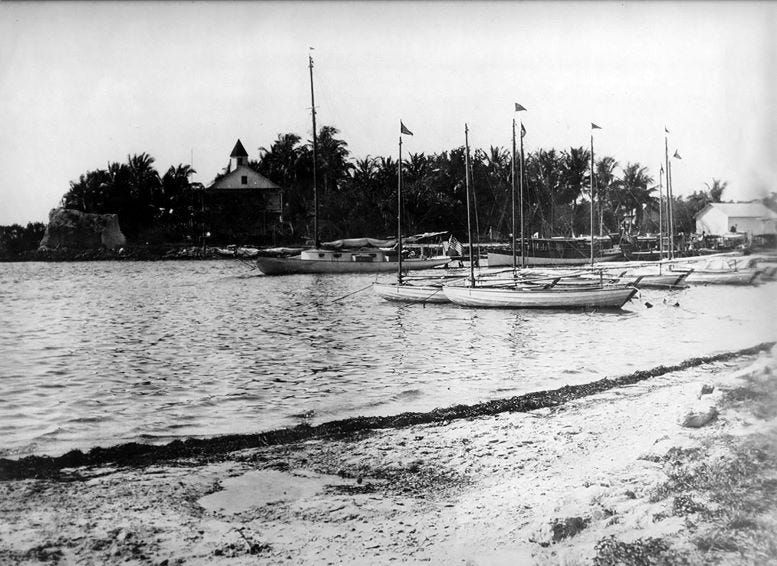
[{"x": 740, "y": 209}]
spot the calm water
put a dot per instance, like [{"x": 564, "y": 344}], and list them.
[{"x": 102, "y": 353}]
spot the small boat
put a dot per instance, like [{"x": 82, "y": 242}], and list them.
[
  {"x": 547, "y": 252},
  {"x": 411, "y": 292},
  {"x": 541, "y": 296},
  {"x": 647, "y": 278},
  {"x": 719, "y": 272}
]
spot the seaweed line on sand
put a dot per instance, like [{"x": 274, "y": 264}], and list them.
[{"x": 136, "y": 454}]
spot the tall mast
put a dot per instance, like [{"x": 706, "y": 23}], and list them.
[
  {"x": 512, "y": 199},
  {"x": 660, "y": 216},
  {"x": 668, "y": 194},
  {"x": 523, "y": 249},
  {"x": 469, "y": 221},
  {"x": 592, "y": 199},
  {"x": 399, "y": 212},
  {"x": 316, "y": 241}
]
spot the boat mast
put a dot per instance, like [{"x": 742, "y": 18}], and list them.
[
  {"x": 469, "y": 221},
  {"x": 660, "y": 216},
  {"x": 523, "y": 249},
  {"x": 399, "y": 211},
  {"x": 316, "y": 241},
  {"x": 592, "y": 199},
  {"x": 512, "y": 199},
  {"x": 669, "y": 218}
]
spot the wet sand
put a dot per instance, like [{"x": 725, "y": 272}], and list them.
[{"x": 605, "y": 477}]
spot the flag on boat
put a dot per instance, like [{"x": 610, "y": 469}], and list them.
[
  {"x": 403, "y": 129},
  {"x": 595, "y": 127},
  {"x": 453, "y": 247},
  {"x": 662, "y": 168},
  {"x": 665, "y": 130},
  {"x": 519, "y": 108},
  {"x": 523, "y": 130},
  {"x": 677, "y": 155}
]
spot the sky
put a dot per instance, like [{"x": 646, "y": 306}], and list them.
[{"x": 86, "y": 84}]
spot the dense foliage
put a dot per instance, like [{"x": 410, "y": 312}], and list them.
[
  {"x": 17, "y": 239},
  {"x": 357, "y": 196}
]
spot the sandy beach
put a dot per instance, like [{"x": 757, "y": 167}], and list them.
[{"x": 609, "y": 478}]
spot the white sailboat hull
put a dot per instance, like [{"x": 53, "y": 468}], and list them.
[
  {"x": 410, "y": 293},
  {"x": 292, "y": 265},
  {"x": 553, "y": 298}
]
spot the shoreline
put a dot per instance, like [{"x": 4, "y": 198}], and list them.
[
  {"x": 607, "y": 478},
  {"x": 142, "y": 455}
]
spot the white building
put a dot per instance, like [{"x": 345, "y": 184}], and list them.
[{"x": 751, "y": 218}]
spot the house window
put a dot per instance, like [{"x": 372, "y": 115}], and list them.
[{"x": 244, "y": 180}]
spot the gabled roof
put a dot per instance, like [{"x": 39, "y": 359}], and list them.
[
  {"x": 740, "y": 209},
  {"x": 239, "y": 150},
  {"x": 257, "y": 180}
]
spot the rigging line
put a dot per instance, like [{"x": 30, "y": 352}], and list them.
[
  {"x": 246, "y": 263},
  {"x": 349, "y": 294},
  {"x": 430, "y": 296}
]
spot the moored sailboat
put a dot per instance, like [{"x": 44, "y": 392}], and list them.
[
  {"x": 404, "y": 290},
  {"x": 541, "y": 296},
  {"x": 518, "y": 292},
  {"x": 363, "y": 256}
]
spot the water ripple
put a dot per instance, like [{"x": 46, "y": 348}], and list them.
[{"x": 102, "y": 353}]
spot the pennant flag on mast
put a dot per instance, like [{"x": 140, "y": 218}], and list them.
[
  {"x": 519, "y": 108},
  {"x": 676, "y": 155},
  {"x": 403, "y": 129},
  {"x": 523, "y": 130},
  {"x": 662, "y": 168},
  {"x": 665, "y": 130},
  {"x": 595, "y": 127}
]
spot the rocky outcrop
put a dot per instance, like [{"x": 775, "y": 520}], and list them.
[{"x": 73, "y": 229}]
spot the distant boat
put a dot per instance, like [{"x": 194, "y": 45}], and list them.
[
  {"x": 548, "y": 252},
  {"x": 719, "y": 271}
]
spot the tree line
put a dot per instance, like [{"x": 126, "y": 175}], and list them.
[{"x": 357, "y": 196}]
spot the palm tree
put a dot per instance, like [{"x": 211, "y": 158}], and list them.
[
  {"x": 634, "y": 192},
  {"x": 606, "y": 185},
  {"x": 716, "y": 189},
  {"x": 543, "y": 182},
  {"x": 574, "y": 166}
]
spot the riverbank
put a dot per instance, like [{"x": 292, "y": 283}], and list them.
[{"x": 609, "y": 477}]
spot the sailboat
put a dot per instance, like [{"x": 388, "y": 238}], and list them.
[
  {"x": 409, "y": 289},
  {"x": 519, "y": 292},
  {"x": 356, "y": 255}
]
